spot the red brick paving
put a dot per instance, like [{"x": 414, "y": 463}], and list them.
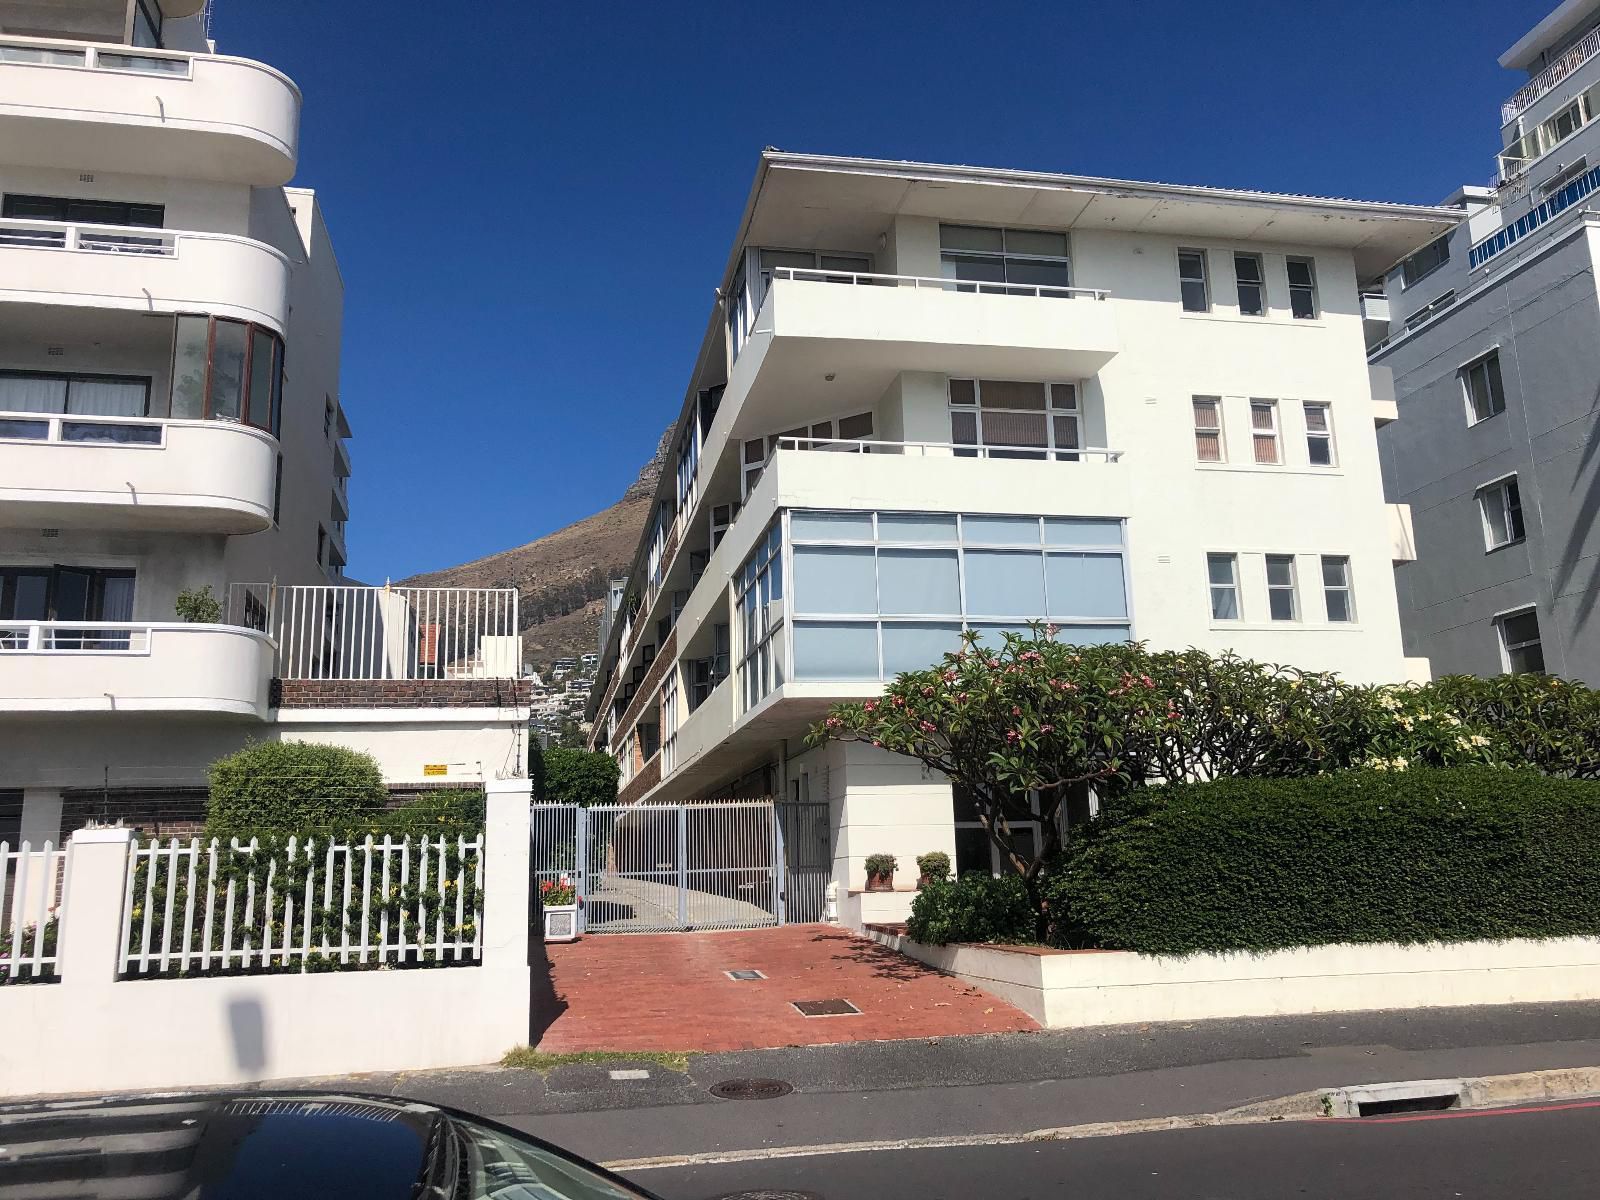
[{"x": 668, "y": 992}]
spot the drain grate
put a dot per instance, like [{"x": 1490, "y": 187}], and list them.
[
  {"x": 744, "y": 975},
  {"x": 770, "y": 1194},
  {"x": 826, "y": 1008},
  {"x": 751, "y": 1089}
]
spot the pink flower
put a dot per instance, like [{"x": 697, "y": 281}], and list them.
[
  {"x": 928, "y": 727},
  {"x": 1011, "y": 735},
  {"x": 1147, "y": 681},
  {"x": 1015, "y": 711},
  {"x": 927, "y": 691},
  {"x": 961, "y": 698},
  {"x": 834, "y": 722},
  {"x": 899, "y": 702},
  {"x": 870, "y": 706},
  {"x": 1052, "y": 630},
  {"x": 1047, "y": 729}
]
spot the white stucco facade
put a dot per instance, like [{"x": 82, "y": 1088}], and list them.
[{"x": 989, "y": 397}]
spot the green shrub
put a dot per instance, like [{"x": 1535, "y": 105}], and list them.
[
  {"x": 198, "y": 606},
  {"x": 933, "y": 865},
  {"x": 974, "y": 908},
  {"x": 1419, "y": 855},
  {"x": 1548, "y": 723},
  {"x": 880, "y": 864},
  {"x": 564, "y": 776},
  {"x": 292, "y": 787}
]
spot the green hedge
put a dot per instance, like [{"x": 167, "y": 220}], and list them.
[
  {"x": 974, "y": 908},
  {"x": 1423, "y": 855},
  {"x": 291, "y": 787},
  {"x": 564, "y": 776}
]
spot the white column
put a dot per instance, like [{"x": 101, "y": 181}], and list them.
[
  {"x": 41, "y": 816},
  {"x": 505, "y": 873},
  {"x": 91, "y": 918}
]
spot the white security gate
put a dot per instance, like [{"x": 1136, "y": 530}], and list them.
[
  {"x": 807, "y": 860},
  {"x": 656, "y": 867}
]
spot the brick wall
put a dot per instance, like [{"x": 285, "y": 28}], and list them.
[
  {"x": 641, "y": 783},
  {"x": 665, "y": 657},
  {"x": 400, "y": 693}
]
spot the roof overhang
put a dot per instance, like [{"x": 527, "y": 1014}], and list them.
[{"x": 1567, "y": 18}]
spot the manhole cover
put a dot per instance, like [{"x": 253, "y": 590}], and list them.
[
  {"x": 751, "y": 1089},
  {"x": 826, "y": 1008},
  {"x": 769, "y": 1194},
  {"x": 744, "y": 976}
]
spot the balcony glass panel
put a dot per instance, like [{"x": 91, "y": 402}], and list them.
[
  {"x": 190, "y": 349},
  {"x": 835, "y": 650},
  {"x": 101, "y": 431},
  {"x": 1002, "y": 582},
  {"x": 915, "y": 646},
  {"x": 1085, "y": 585},
  {"x": 912, "y": 582},
  {"x": 226, "y": 391},
  {"x": 34, "y": 431},
  {"x": 834, "y": 579}
]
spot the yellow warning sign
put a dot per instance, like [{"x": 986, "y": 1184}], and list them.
[{"x": 431, "y": 769}]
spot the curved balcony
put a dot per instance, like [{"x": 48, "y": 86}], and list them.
[
  {"x": 119, "y": 472},
  {"x": 81, "y": 106},
  {"x": 144, "y": 270},
  {"x": 140, "y": 666}
]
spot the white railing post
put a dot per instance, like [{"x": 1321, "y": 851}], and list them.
[{"x": 91, "y": 942}]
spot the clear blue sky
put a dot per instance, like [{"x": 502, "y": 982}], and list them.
[{"x": 532, "y": 199}]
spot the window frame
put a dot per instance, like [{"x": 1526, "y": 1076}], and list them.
[
  {"x": 1410, "y": 280},
  {"x": 1494, "y": 382},
  {"x": 1222, "y": 439},
  {"x": 1347, "y": 588},
  {"x": 273, "y": 400},
  {"x": 71, "y": 377},
  {"x": 1292, "y": 587},
  {"x": 1049, "y": 452},
  {"x": 1308, "y": 289},
  {"x": 1515, "y": 522},
  {"x": 1204, "y": 279},
  {"x": 1006, "y": 256},
  {"x": 1259, "y": 283},
  {"x": 1213, "y": 587},
  {"x": 1508, "y": 648},
  {"x": 1324, "y": 435},
  {"x": 1275, "y": 430}
]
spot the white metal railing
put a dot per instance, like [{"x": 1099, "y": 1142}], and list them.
[
  {"x": 309, "y": 905},
  {"x": 350, "y": 632},
  {"x": 80, "y": 637},
  {"x": 1503, "y": 238},
  {"x": 935, "y": 282},
  {"x": 76, "y": 430},
  {"x": 944, "y": 449},
  {"x": 1568, "y": 61},
  {"x": 31, "y": 884},
  {"x": 31, "y": 53},
  {"x": 101, "y": 239}
]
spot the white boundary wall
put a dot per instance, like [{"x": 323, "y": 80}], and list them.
[
  {"x": 93, "y": 1033},
  {"x": 1073, "y": 989}
]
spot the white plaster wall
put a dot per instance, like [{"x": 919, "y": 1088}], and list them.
[
  {"x": 167, "y": 563},
  {"x": 204, "y": 206},
  {"x": 492, "y": 745}
]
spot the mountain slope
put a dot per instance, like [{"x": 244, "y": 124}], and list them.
[{"x": 561, "y": 578}]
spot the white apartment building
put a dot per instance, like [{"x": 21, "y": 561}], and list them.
[
  {"x": 1491, "y": 337},
  {"x": 170, "y": 421},
  {"x": 935, "y": 398}
]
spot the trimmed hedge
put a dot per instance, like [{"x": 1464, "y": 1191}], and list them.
[
  {"x": 564, "y": 776},
  {"x": 1423, "y": 855},
  {"x": 290, "y": 787},
  {"x": 974, "y": 908}
]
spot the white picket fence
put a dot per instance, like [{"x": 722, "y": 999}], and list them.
[
  {"x": 307, "y": 906},
  {"x": 31, "y": 884}
]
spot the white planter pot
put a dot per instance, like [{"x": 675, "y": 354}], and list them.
[{"x": 560, "y": 922}]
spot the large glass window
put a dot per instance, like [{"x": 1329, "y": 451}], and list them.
[
  {"x": 1251, "y": 283},
  {"x": 1192, "y": 281},
  {"x": 1501, "y": 506},
  {"x": 760, "y": 608},
  {"x": 1222, "y": 570},
  {"x": 1425, "y": 261},
  {"x": 1319, "y": 434},
  {"x": 61, "y": 593},
  {"x": 1485, "y": 393},
  {"x": 1208, "y": 428},
  {"x": 877, "y": 594},
  {"x": 227, "y": 370},
  {"x": 1521, "y": 646},
  {"x": 1014, "y": 261},
  {"x": 1283, "y": 601},
  {"x": 75, "y": 395},
  {"x": 1336, "y": 588},
  {"x": 1002, "y": 418},
  {"x": 1302, "y": 288}
]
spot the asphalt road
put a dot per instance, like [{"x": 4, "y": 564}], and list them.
[{"x": 1539, "y": 1154}]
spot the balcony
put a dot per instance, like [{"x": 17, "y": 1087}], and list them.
[
  {"x": 857, "y": 338},
  {"x": 1374, "y": 316},
  {"x": 97, "y": 667},
  {"x": 79, "y": 105},
  {"x": 1541, "y": 84},
  {"x": 145, "y": 270},
  {"x": 126, "y": 473}
]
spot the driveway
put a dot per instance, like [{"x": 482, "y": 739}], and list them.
[{"x": 673, "y": 991}]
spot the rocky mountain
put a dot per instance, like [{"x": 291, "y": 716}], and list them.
[{"x": 562, "y": 577}]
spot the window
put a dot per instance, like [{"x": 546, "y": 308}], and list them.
[
  {"x": 975, "y": 849},
  {"x": 1251, "y": 283},
  {"x": 1208, "y": 429},
  {"x": 760, "y": 607},
  {"x": 1302, "y": 288},
  {"x": 83, "y": 212},
  {"x": 1563, "y": 177},
  {"x": 1192, "y": 281},
  {"x": 1521, "y": 650},
  {"x": 1009, "y": 419},
  {"x": 1501, "y": 505},
  {"x": 75, "y": 395},
  {"x": 1264, "y": 431},
  {"x": 1336, "y": 588},
  {"x": 1222, "y": 571},
  {"x": 1282, "y": 602},
  {"x": 1319, "y": 435},
  {"x": 146, "y": 24},
  {"x": 1485, "y": 394},
  {"x": 227, "y": 370},
  {"x": 277, "y": 492},
  {"x": 62, "y": 594},
  {"x": 812, "y": 264},
  {"x": 1431, "y": 309},
  {"x": 1425, "y": 261},
  {"x": 11, "y": 816},
  {"x": 1010, "y": 261}
]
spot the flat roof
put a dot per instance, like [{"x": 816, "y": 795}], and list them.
[{"x": 840, "y": 202}]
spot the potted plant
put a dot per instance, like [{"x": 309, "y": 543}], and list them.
[
  {"x": 558, "y": 899},
  {"x": 880, "y": 872},
  {"x": 198, "y": 606},
  {"x": 934, "y": 865}
]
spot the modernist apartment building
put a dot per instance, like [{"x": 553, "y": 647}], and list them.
[
  {"x": 1491, "y": 335},
  {"x": 937, "y": 398},
  {"x": 170, "y": 421}
]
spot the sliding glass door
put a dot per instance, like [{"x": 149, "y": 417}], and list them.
[{"x": 65, "y": 594}]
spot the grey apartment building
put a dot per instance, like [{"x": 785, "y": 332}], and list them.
[{"x": 1491, "y": 338}]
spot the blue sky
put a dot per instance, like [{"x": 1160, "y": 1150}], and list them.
[{"x": 532, "y": 200}]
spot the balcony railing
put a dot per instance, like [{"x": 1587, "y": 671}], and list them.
[
  {"x": 171, "y": 64},
  {"x": 1503, "y": 239},
  {"x": 74, "y": 637},
  {"x": 946, "y": 449},
  {"x": 80, "y": 430},
  {"x": 936, "y": 283},
  {"x": 365, "y": 633},
  {"x": 106, "y": 239},
  {"x": 1566, "y": 63}
]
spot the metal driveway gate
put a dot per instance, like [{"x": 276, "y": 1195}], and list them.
[
  {"x": 807, "y": 860},
  {"x": 658, "y": 867}
]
